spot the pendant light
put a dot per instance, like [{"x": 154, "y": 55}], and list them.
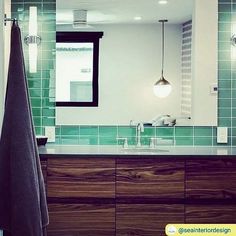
[{"x": 162, "y": 87}]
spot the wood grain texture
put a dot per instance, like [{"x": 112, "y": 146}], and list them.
[
  {"x": 215, "y": 214},
  {"x": 79, "y": 178},
  {"x": 146, "y": 219},
  {"x": 150, "y": 178},
  {"x": 211, "y": 179},
  {"x": 81, "y": 220}
]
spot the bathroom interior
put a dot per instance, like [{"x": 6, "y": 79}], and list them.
[{"x": 121, "y": 160}]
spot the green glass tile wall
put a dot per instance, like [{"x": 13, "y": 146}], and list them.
[
  {"x": 42, "y": 87},
  {"x": 41, "y": 84}
]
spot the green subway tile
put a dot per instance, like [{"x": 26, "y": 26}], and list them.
[
  {"x": 224, "y": 56},
  {"x": 19, "y": 7},
  {"x": 88, "y": 140},
  {"x": 145, "y": 141},
  {"x": 50, "y": 112},
  {"x": 32, "y": 83},
  {"x": 224, "y": 7},
  {"x": 88, "y": 130},
  {"x": 224, "y": 65},
  {"x": 48, "y": 121},
  {"x": 224, "y": 122},
  {"x": 37, "y": 121},
  {"x": 38, "y": 130},
  {"x": 234, "y": 132},
  {"x": 233, "y": 84},
  {"x": 148, "y": 131},
  {"x": 184, "y": 131},
  {"x": 224, "y": 103},
  {"x": 233, "y": 103},
  {"x": 234, "y": 112},
  {"x": 224, "y": 84},
  {"x": 233, "y": 8},
  {"x": 202, "y": 131},
  {"x": 69, "y": 130},
  {"x": 58, "y": 140},
  {"x": 226, "y": 93},
  {"x": 233, "y": 91},
  {"x": 34, "y": 75},
  {"x": 45, "y": 83},
  {"x": 224, "y": 1},
  {"x": 49, "y": 7},
  {"x": 184, "y": 141},
  {"x": 108, "y": 131},
  {"x": 214, "y": 131},
  {"x": 126, "y": 131},
  {"x": 224, "y": 27},
  {"x": 163, "y": 132},
  {"x": 224, "y": 112},
  {"x": 69, "y": 140},
  {"x": 107, "y": 140},
  {"x": 224, "y": 74},
  {"x": 36, "y": 112},
  {"x": 224, "y": 17},
  {"x": 203, "y": 141},
  {"x": 35, "y": 102},
  {"x": 234, "y": 122},
  {"x": 35, "y": 92},
  {"x": 58, "y": 130}
]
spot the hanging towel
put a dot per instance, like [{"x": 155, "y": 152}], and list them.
[{"x": 23, "y": 207}]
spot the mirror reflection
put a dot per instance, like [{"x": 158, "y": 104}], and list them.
[{"x": 130, "y": 60}]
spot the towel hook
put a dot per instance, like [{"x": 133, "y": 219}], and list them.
[{"x": 9, "y": 19}]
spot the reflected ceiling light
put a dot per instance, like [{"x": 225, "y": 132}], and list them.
[
  {"x": 162, "y": 87},
  {"x": 162, "y": 2},
  {"x": 137, "y": 18},
  {"x": 33, "y": 40}
]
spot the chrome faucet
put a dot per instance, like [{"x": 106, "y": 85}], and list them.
[{"x": 140, "y": 129}]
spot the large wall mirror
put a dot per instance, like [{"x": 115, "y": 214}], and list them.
[{"x": 130, "y": 60}]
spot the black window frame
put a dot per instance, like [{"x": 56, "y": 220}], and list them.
[{"x": 83, "y": 37}]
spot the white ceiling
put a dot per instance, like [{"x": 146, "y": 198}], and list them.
[{"x": 124, "y": 11}]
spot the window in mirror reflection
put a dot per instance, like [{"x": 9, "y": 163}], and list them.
[{"x": 77, "y": 69}]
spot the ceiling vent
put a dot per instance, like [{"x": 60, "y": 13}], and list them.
[{"x": 80, "y": 19}]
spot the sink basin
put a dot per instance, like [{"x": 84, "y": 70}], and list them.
[{"x": 143, "y": 150}]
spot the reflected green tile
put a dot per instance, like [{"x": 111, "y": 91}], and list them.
[
  {"x": 202, "y": 131},
  {"x": 49, "y": 7},
  {"x": 184, "y": 131},
  {"x": 233, "y": 103},
  {"x": 88, "y": 140},
  {"x": 19, "y": 7},
  {"x": 107, "y": 140},
  {"x": 45, "y": 83},
  {"x": 70, "y": 130},
  {"x": 214, "y": 131},
  {"x": 163, "y": 132},
  {"x": 226, "y": 93},
  {"x": 108, "y": 131},
  {"x": 184, "y": 141},
  {"x": 233, "y": 84},
  {"x": 224, "y": 17},
  {"x": 224, "y": 112},
  {"x": 224, "y": 103},
  {"x": 203, "y": 141},
  {"x": 224, "y": 7},
  {"x": 224, "y": 27},
  {"x": 224, "y": 65},
  {"x": 35, "y": 83},
  {"x": 48, "y": 121},
  {"x": 224, "y": 84},
  {"x": 35, "y": 92},
  {"x": 29, "y": 4},
  {"x": 126, "y": 131},
  {"x": 234, "y": 122},
  {"x": 224, "y": 55},
  {"x": 57, "y": 140},
  {"x": 38, "y": 130},
  {"x": 58, "y": 131},
  {"x": 88, "y": 130},
  {"x": 224, "y": 1},
  {"x": 234, "y": 112},
  {"x": 224, "y": 74}
]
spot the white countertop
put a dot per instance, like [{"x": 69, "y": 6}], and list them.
[{"x": 74, "y": 150}]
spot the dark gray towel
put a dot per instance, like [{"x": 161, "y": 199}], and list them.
[{"x": 23, "y": 207}]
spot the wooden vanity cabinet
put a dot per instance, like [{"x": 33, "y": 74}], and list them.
[
  {"x": 138, "y": 196},
  {"x": 81, "y": 196}
]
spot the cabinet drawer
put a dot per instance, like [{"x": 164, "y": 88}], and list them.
[
  {"x": 210, "y": 179},
  {"x": 146, "y": 219},
  {"x": 81, "y": 219},
  {"x": 215, "y": 214},
  {"x": 150, "y": 178},
  {"x": 81, "y": 178}
]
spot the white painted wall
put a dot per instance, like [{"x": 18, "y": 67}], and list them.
[
  {"x": 130, "y": 64},
  {"x": 205, "y": 28}
]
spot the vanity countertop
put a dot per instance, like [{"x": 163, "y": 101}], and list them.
[{"x": 76, "y": 150}]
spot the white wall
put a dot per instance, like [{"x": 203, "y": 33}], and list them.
[
  {"x": 205, "y": 30},
  {"x": 130, "y": 64}
]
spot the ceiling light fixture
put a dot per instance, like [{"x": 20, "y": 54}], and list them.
[
  {"x": 162, "y": 2},
  {"x": 137, "y": 18},
  {"x": 162, "y": 87}
]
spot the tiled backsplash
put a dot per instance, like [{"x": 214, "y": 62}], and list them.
[{"x": 42, "y": 87}]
